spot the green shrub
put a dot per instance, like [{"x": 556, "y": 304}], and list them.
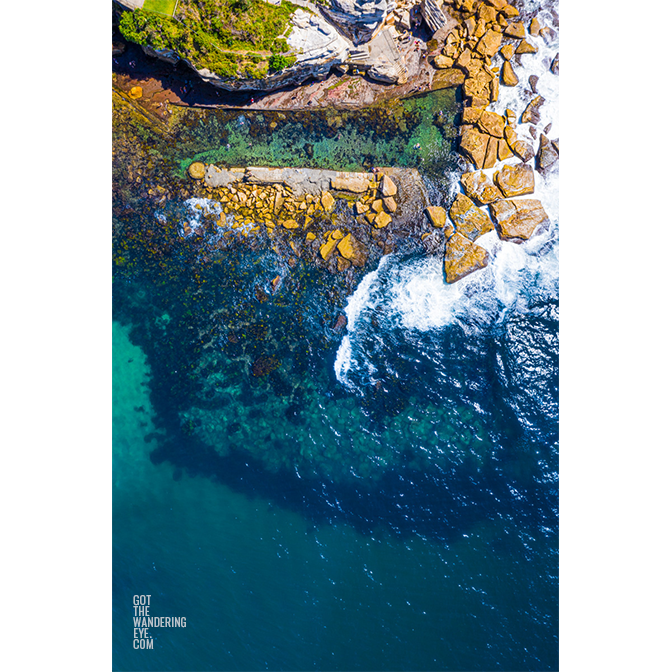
[
  {"x": 280, "y": 62},
  {"x": 203, "y": 30}
]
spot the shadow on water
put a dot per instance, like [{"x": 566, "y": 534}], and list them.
[{"x": 404, "y": 502}]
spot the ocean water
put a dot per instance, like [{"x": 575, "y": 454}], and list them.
[{"x": 384, "y": 496}]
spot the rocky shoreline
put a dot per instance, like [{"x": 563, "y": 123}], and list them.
[{"x": 488, "y": 32}]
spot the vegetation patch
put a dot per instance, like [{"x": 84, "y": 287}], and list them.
[
  {"x": 232, "y": 38},
  {"x": 166, "y": 7}
]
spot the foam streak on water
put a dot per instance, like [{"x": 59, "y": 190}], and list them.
[{"x": 411, "y": 293}]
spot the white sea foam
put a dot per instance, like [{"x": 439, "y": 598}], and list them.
[
  {"x": 196, "y": 209},
  {"x": 413, "y": 294}
]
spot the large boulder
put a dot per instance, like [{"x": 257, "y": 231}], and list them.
[
  {"x": 515, "y": 180},
  {"x": 515, "y": 30},
  {"x": 387, "y": 186},
  {"x": 509, "y": 77},
  {"x": 531, "y": 112},
  {"x": 197, "y": 170},
  {"x": 478, "y": 186},
  {"x": 526, "y": 47},
  {"x": 448, "y": 79},
  {"x": 470, "y": 221},
  {"x": 547, "y": 154},
  {"x": 350, "y": 248},
  {"x": 462, "y": 257},
  {"x": 492, "y": 123},
  {"x": 474, "y": 144},
  {"x": 520, "y": 148},
  {"x": 517, "y": 220},
  {"x": 436, "y": 215},
  {"x": 489, "y": 44}
]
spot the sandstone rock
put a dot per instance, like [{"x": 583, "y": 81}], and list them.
[
  {"x": 278, "y": 202},
  {"x": 520, "y": 148},
  {"x": 469, "y": 220},
  {"x": 475, "y": 66},
  {"x": 547, "y": 154},
  {"x": 327, "y": 249},
  {"x": 555, "y": 65},
  {"x": 474, "y": 144},
  {"x": 350, "y": 248},
  {"x": 515, "y": 180},
  {"x": 357, "y": 183},
  {"x": 503, "y": 150},
  {"x": 448, "y": 79},
  {"x": 441, "y": 61},
  {"x": 516, "y": 30},
  {"x": 523, "y": 150},
  {"x": 507, "y": 52},
  {"x": 510, "y": 11},
  {"x": 510, "y": 135},
  {"x": 197, "y": 170},
  {"x": 381, "y": 220},
  {"x": 462, "y": 257},
  {"x": 491, "y": 153},
  {"x": 531, "y": 113},
  {"x": 526, "y": 48},
  {"x": 478, "y": 86},
  {"x": 470, "y": 115},
  {"x": 361, "y": 208},
  {"x": 387, "y": 186},
  {"x": 486, "y": 13},
  {"x": 327, "y": 201},
  {"x": 390, "y": 204},
  {"x": 481, "y": 29},
  {"x": 377, "y": 205},
  {"x": 497, "y": 4},
  {"x": 342, "y": 264},
  {"x": 494, "y": 89},
  {"x": 517, "y": 220},
  {"x": 534, "y": 27},
  {"x": 290, "y": 224},
  {"x": 463, "y": 60},
  {"x": 436, "y": 215},
  {"x": 479, "y": 101},
  {"x": 479, "y": 187},
  {"x": 135, "y": 93},
  {"x": 310, "y": 237},
  {"x": 492, "y": 124},
  {"x": 470, "y": 26},
  {"x": 489, "y": 44},
  {"x": 509, "y": 77}
]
